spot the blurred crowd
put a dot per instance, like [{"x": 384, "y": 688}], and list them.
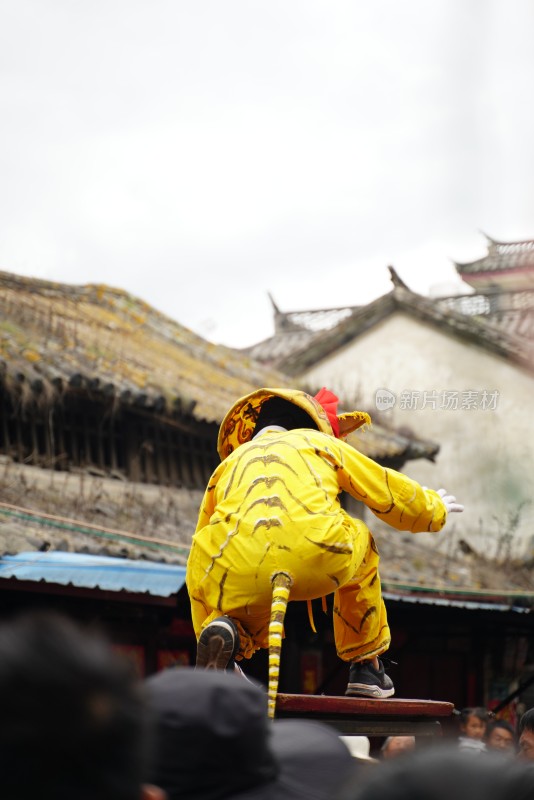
[{"x": 77, "y": 722}]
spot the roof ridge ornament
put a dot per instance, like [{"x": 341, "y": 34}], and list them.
[
  {"x": 397, "y": 281},
  {"x": 283, "y": 320},
  {"x": 273, "y": 303}
]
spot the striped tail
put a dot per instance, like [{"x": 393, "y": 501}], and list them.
[{"x": 281, "y": 586}]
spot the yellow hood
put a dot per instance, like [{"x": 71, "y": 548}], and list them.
[{"x": 238, "y": 425}]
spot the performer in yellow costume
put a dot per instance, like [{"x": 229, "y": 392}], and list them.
[{"x": 271, "y": 529}]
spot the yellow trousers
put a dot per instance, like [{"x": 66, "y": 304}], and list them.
[{"x": 359, "y": 615}]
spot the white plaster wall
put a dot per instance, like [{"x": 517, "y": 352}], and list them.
[{"x": 486, "y": 456}]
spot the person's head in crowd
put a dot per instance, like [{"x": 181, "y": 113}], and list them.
[
  {"x": 214, "y": 740},
  {"x": 395, "y": 746},
  {"x": 473, "y": 723},
  {"x": 500, "y": 735},
  {"x": 445, "y": 773},
  {"x": 72, "y": 721},
  {"x": 526, "y": 736}
]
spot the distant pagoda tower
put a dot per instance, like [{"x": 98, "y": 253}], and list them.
[
  {"x": 503, "y": 287},
  {"x": 507, "y": 267}
]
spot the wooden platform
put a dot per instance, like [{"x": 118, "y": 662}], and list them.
[{"x": 359, "y": 715}]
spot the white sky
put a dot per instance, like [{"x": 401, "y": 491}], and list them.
[{"x": 199, "y": 154}]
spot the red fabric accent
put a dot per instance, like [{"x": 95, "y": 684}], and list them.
[{"x": 329, "y": 402}]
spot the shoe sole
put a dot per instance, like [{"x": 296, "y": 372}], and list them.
[
  {"x": 216, "y": 646},
  {"x": 363, "y": 690}
]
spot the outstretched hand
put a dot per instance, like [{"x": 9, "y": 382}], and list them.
[{"x": 449, "y": 501}]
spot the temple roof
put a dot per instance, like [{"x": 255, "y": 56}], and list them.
[
  {"x": 506, "y": 264},
  {"x": 295, "y": 330},
  {"x": 295, "y": 351},
  {"x": 55, "y": 335},
  {"x": 512, "y": 311}
]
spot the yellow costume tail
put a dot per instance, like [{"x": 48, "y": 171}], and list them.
[{"x": 281, "y": 586}]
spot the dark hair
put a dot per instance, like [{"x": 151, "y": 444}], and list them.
[
  {"x": 277, "y": 411},
  {"x": 526, "y": 723},
  {"x": 476, "y": 711},
  {"x": 499, "y": 723},
  {"x": 72, "y": 723}
]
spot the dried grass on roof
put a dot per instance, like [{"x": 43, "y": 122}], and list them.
[{"x": 51, "y": 332}]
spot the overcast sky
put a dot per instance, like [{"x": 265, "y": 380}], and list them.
[{"x": 200, "y": 154}]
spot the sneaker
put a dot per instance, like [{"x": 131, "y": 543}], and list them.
[
  {"x": 366, "y": 681},
  {"x": 218, "y": 644}
]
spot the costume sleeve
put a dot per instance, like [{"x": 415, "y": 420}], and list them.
[
  {"x": 391, "y": 495},
  {"x": 207, "y": 507}
]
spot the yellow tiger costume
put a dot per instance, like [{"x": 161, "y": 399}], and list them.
[{"x": 272, "y": 508}]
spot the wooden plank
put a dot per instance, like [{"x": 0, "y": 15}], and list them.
[
  {"x": 100, "y": 434},
  {"x": 5, "y": 427},
  {"x": 48, "y": 427},
  {"x": 328, "y": 704},
  {"x": 34, "y": 455},
  {"x": 62, "y": 458},
  {"x": 20, "y": 441},
  {"x": 373, "y": 717},
  {"x": 172, "y": 458},
  {"x": 159, "y": 456}
]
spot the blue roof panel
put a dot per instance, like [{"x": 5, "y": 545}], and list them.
[{"x": 94, "y": 572}]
